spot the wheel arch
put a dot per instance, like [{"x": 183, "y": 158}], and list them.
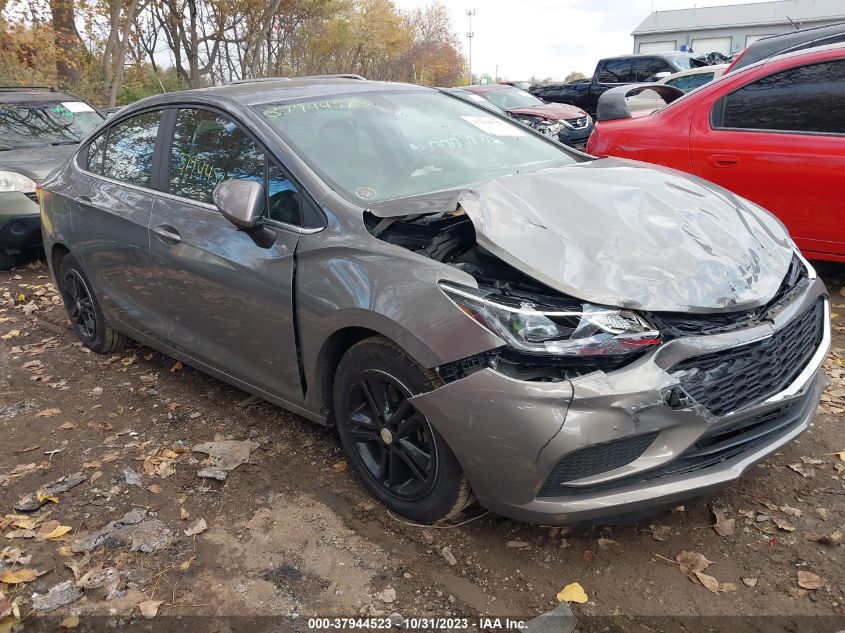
[
  {"x": 328, "y": 359},
  {"x": 57, "y": 253}
]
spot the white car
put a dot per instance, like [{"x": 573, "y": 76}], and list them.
[{"x": 686, "y": 80}]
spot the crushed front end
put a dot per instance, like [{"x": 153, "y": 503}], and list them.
[{"x": 571, "y": 439}]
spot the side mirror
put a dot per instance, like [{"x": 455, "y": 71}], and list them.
[{"x": 240, "y": 201}]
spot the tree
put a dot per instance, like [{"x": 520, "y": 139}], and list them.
[
  {"x": 71, "y": 51},
  {"x": 575, "y": 76}
]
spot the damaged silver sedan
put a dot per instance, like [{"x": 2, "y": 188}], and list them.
[{"x": 483, "y": 314}]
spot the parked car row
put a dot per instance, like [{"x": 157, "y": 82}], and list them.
[
  {"x": 481, "y": 312},
  {"x": 773, "y": 132},
  {"x": 39, "y": 130}
]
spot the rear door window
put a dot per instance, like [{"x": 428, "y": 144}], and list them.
[
  {"x": 616, "y": 71},
  {"x": 803, "y": 99},
  {"x": 128, "y": 150}
]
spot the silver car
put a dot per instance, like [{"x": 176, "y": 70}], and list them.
[{"x": 481, "y": 313}]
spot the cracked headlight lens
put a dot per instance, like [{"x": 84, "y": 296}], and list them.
[{"x": 582, "y": 330}]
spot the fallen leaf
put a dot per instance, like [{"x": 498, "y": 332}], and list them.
[
  {"x": 184, "y": 514},
  {"x": 797, "y": 592},
  {"x": 517, "y": 544},
  {"x": 197, "y": 528},
  {"x": 10, "y": 334},
  {"x": 18, "y": 576},
  {"x": 186, "y": 565},
  {"x": 809, "y": 580},
  {"x": 572, "y": 592},
  {"x": 154, "y": 488},
  {"x": 692, "y": 562},
  {"x": 47, "y": 413},
  {"x": 725, "y": 587},
  {"x": 812, "y": 460},
  {"x": 607, "y": 543},
  {"x": 790, "y": 511},
  {"x": 24, "y": 523},
  {"x": 708, "y": 581},
  {"x": 340, "y": 466},
  {"x": 70, "y": 622},
  {"x": 589, "y": 555},
  {"x": 783, "y": 524},
  {"x": 723, "y": 526},
  {"x": 67, "y": 426},
  {"x": 176, "y": 367},
  {"x": 58, "y": 532},
  {"x": 149, "y": 608},
  {"x": 805, "y": 470},
  {"x": 749, "y": 582}
]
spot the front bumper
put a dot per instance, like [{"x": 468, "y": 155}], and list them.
[
  {"x": 515, "y": 438},
  {"x": 20, "y": 223},
  {"x": 575, "y": 138}
]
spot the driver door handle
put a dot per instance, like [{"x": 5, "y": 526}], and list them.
[{"x": 167, "y": 234}]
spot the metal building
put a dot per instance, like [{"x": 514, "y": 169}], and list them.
[{"x": 729, "y": 29}]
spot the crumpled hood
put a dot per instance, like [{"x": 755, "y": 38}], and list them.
[
  {"x": 628, "y": 234},
  {"x": 36, "y": 162}
]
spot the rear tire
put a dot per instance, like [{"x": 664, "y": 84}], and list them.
[
  {"x": 7, "y": 261},
  {"x": 84, "y": 311},
  {"x": 395, "y": 450}
]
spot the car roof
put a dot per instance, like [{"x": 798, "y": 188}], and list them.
[
  {"x": 279, "y": 89},
  {"x": 713, "y": 68},
  {"x": 663, "y": 54},
  {"x": 788, "y": 42},
  {"x": 477, "y": 88},
  {"x": 13, "y": 95}
]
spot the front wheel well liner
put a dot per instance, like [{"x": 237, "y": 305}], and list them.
[
  {"x": 328, "y": 359},
  {"x": 57, "y": 254}
]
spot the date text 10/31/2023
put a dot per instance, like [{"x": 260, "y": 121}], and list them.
[{"x": 398, "y": 621}]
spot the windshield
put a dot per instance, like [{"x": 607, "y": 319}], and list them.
[
  {"x": 511, "y": 98},
  {"x": 383, "y": 145},
  {"x": 39, "y": 123}
]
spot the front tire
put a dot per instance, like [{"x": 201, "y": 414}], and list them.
[
  {"x": 84, "y": 311},
  {"x": 394, "y": 448}
]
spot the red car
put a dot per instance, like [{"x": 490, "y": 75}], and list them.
[
  {"x": 568, "y": 123},
  {"x": 773, "y": 132}
]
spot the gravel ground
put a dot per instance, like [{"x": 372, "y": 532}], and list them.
[{"x": 292, "y": 532}]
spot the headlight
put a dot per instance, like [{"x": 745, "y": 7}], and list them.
[
  {"x": 582, "y": 330},
  {"x": 11, "y": 181}
]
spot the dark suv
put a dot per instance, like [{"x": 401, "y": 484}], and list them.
[{"x": 39, "y": 129}]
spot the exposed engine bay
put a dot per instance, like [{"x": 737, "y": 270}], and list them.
[{"x": 449, "y": 237}]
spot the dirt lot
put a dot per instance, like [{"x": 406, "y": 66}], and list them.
[{"x": 292, "y": 532}]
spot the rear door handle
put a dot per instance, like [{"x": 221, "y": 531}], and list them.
[
  {"x": 84, "y": 200},
  {"x": 167, "y": 234},
  {"x": 722, "y": 160}
]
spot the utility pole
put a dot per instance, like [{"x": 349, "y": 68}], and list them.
[
  {"x": 470, "y": 35},
  {"x": 496, "y": 76}
]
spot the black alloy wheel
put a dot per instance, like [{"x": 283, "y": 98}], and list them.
[
  {"x": 397, "y": 452},
  {"x": 80, "y": 305},
  {"x": 392, "y": 439}
]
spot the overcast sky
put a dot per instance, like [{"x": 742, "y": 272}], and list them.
[{"x": 550, "y": 38}]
